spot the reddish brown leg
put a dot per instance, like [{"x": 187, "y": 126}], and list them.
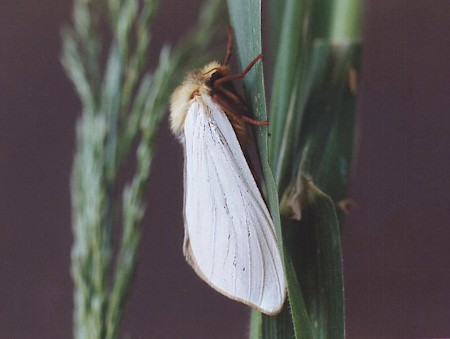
[
  {"x": 230, "y": 111},
  {"x": 254, "y": 122},
  {"x": 229, "y": 46},
  {"x": 230, "y": 77}
]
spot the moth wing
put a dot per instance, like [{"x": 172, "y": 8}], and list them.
[{"x": 230, "y": 239}]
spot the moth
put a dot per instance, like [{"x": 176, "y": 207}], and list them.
[{"x": 229, "y": 236}]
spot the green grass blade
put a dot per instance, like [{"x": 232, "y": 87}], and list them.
[
  {"x": 345, "y": 23},
  {"x": 328, "y": 132},
  {"x": 325, "y": 153},
  {"x": 301, "y": 323},
  {"x": 318, "y": 259},
  {"x": 276, "y": 21},
  {"x": 290, "y": 66},
  {"x": 255, "y": 325},
  {"x": 245, "y": 18}
]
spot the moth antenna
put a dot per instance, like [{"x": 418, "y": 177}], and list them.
[
  {"x": 212, "y": 69},
  {"x": 230, "y": 77},
  {"x": 229, "y": 46}
]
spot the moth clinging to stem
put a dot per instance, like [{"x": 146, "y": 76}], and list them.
[{"x": 229, "y": 234}]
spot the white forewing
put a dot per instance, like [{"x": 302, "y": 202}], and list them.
[{"x": 230, "y": 239}]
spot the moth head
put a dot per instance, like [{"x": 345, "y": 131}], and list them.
[
  {"x": 214, "y": 71},
  {"x": 197, "y": 82}
]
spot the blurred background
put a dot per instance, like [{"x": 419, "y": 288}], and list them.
[{"x": 396, "y": 243}]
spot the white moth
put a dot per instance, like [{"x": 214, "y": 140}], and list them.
[{"x": 229, "y": 234}]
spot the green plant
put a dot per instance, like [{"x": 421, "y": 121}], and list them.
[
  {"x": 122, "y": 106},
  {"x": 307, "y": 158},
  {"x": 305, "y": 161}
]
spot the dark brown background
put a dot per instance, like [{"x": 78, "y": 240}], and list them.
[{"x": 396, "y": 257}]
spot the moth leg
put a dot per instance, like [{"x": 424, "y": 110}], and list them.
[
  {"x": 230, "y": 77},
  {"x": 254, "y": 122},
  {"x": 229, "y": 46},
  {"x": 228, "y": 109}
]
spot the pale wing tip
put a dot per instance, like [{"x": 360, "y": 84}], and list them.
[
  {"x": 268, "y": 308},
  {"x": 271, "y": 309},
  {"x": 274, "y": 307}
]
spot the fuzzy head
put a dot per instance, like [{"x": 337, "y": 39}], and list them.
[{"x": 197, "y": 82}]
